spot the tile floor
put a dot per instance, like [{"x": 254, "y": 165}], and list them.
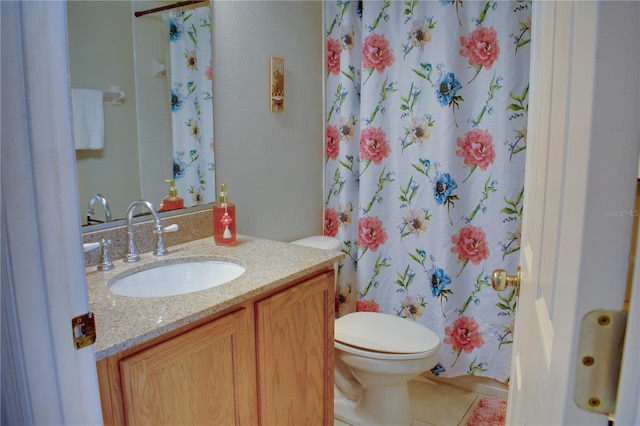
[{"x": 437, "y": 404}]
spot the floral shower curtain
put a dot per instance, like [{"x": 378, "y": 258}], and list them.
[
  {"x": 425, "y": 152},
  {"x": 192, "y": 105}
]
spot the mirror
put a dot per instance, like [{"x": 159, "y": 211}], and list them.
[{"x": 110, "y": 47}]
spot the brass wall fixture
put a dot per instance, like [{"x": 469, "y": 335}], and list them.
[{"x": 276, "y": 98}]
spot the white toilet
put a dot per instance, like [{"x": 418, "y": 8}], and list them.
[{"x": 376, "y": 356}]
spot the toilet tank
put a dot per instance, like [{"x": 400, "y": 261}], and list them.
[{"x": 321, "y": 242}]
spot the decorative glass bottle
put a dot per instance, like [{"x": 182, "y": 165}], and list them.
[
  {"x": 224, "y": 219},
  {"x": 171, "y": 201}
]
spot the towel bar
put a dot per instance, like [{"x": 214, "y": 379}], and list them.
[{"x": 115, "y": 95}]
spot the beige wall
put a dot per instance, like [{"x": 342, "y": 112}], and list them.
[{"x": 271, "y": 162}]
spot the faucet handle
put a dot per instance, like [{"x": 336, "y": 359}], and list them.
[
  {"x": 161, "y": 249},
  {"x": 90, "y": 246},
  {"x": 171, "y": 228},
  {"x": 105, "y": 260}
]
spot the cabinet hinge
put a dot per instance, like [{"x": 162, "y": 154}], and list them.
[
  {"x": 83, "y": 329},
  {"x": 599, "y": 359}
]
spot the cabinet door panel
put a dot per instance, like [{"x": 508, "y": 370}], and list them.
[
  {"x": 164, "y": 385},
  {"x": 295, "y": 354}
]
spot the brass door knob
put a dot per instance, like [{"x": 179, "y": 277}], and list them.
[{"x": 500, "y": 280}]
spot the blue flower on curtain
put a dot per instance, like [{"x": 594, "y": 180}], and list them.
[
  {"x": 175, "y": 28},
  {"x": 177, "y": 98},
  {"x": 439, "y": 280},
  {"x": 447, "y": 89},
  {"x": 443, "y": 189}
]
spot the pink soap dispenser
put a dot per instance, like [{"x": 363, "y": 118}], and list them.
[{"x": 224, "y": 219}]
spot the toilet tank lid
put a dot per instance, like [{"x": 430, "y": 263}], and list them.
[
  {"x": 320, "y": 241},
  {"x": 384, "y": 333}
]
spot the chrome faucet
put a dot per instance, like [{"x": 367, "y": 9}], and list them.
[
  {"x": 161, "y": 250},
  {"x": 105, "y": 206},
  {"x": 105, "y": 259}
]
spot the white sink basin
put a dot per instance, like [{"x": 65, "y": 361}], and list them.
[{"x": 176, "y": 278}]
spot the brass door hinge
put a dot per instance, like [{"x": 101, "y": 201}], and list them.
[
  {"x": 599, "y": 359},
  {"x": 83, "y": 329}
]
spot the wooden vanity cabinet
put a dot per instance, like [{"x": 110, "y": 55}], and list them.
[
  {"x": 201, "y": 376},
  {"x": 268, "y": 361},
  {"x": 294, "y": 337}
]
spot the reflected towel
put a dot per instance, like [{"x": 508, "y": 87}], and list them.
[{"x": 88, "y": 118}]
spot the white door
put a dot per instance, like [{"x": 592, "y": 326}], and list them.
[
  {"x": 45, "y": 380},
  {"x": 582, "y": 162}
]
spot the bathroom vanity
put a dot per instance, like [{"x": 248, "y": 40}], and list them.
[{"x": 256, "y": 350}]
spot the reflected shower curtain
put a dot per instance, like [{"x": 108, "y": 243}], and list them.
[
  {"x": 192, "y": 105},
  {"x": 425, "y": 151}
]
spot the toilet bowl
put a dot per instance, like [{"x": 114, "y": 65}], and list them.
[{"x": 376, "y": 355}]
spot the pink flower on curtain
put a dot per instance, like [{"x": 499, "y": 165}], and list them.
[
  {"x": 332, "y": 142},
  {"x": 208, "y": 73},
  {"x": 464, "y": 335},
  {"x": 471, "y": 245},
  {"x": 481, "y": 47},
  {"x": 374, "y": 145},
  {"x": 367, "y": 306},
  {"x": 333, "y": 56},
  {"x": 371, "y": 233},
  {"x": 376, "y": 53},
  {"x": 331, "y": 222},
  {"x": 476, "y": 147}
]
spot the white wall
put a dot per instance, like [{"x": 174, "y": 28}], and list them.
[{"x": 271, "y": 162}]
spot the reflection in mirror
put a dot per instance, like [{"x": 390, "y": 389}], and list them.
[
  {"x": 137, "y": 154},
  {"x": 91, "y": 209}
]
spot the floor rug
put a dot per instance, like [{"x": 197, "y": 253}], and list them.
[{"x": 488, "y": 411}]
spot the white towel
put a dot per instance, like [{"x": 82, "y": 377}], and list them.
[{"x": 88, "y": 118}]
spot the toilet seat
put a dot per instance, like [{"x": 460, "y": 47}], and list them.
[{"x": 383, "y": 336}]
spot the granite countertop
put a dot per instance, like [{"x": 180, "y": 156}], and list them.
[{"x": 123, "y": 322}]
